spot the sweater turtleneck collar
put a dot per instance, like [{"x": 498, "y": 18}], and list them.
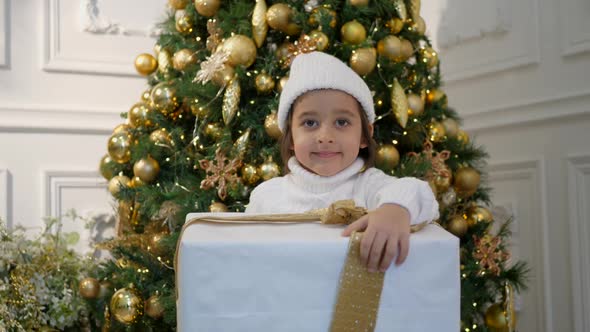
[{"x": 319, "y": 184}]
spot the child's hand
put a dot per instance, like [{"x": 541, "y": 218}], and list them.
[{"x": 387, "y": 235}]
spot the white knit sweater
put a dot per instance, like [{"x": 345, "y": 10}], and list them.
[{"x": 301, "y": 191}]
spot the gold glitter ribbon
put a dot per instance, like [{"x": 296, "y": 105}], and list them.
[{"x": 359, "y": 291}]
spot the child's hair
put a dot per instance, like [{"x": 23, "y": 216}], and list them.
[{"x": 368, "y": 153}]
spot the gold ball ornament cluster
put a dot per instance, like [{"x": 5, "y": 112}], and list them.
[
  {"x": 271, "y": 126},
  {"x": 145, "y": 64},
  {"x": 241, "y": 49},
  {"x": 146, "y": 169},
  {"x": 126, "y": 305},
  {"x": 466, "y": 181},
  {"x": 387, "y": 157},
  {"x": 353, "y": 33},
  {"x": 154, "y": 307},
  {"x": 429, "y": 56},
  {"x": 89, "y": 288},
  {"x": 249, "y": 174},
  {"x": 119, "y": 147},
  {"x": 363, "y": 60},
  {"x": 207, "y": 8}
]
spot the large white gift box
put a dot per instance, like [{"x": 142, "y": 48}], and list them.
[{"x": 285, "y": 277}]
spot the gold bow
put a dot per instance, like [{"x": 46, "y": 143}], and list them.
[{"x": 359, "y": 292}]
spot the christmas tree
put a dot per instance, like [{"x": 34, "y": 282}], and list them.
[{"x": 205, "y": 133}]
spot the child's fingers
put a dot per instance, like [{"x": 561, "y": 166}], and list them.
[
  {"x": 389, "y": 254},
  {"x": 404, "y": 248},
  {"x": 360, "y": 224},
  {"x": 366, "y": 243},
  {"x": 376, "y": 251}
]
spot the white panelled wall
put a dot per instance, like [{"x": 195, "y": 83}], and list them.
[{"x": 517, "y": 72}]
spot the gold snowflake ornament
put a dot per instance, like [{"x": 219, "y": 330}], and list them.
[{"x": 221, "y": 172}]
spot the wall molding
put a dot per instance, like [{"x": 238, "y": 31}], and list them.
[
  {"x": 503, "y": 26},
  {"x": 5, "y": 197},
  {"x": 66, "y": 119},
  {"x": 533, "y": 171},
  {"x": 528, "y": 112},
  {"x": 4, "y": 34},
  {"x": 578, "y": 173},
  {"x": 575, "y": 40},
  {"x": 56, "y": 181},
  {"x": 93, "y": 21},
  {"x": 54, "y": 59}
]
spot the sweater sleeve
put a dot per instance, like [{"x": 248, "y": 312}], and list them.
[
  {"x": 254, "y": 203},
  {"x": 413, "y": 194}
]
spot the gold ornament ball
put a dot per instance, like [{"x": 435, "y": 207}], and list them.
[
  {"x": 318, "y": 12},
  {"x": 271, "y": 126},
  {"x": 264, "y": 83},
  {"x": 462, "y": 136},
  {"x": 416, "y": 104},
  {"x": 108, "y": 167},
  {"x": 145, "y": 64},
  {"x": 118, "y": 147},
  {"x": 353, "y": 33},
  {"x": 122, "y": 128},
  {"x": 136, "y": 182},
  {"x": 145, "y": 96},
  {"x": 250, "y": 174},
  {"x": 321, "y": 39},
  {"x": 390, "y": 47},
  {"x": 435, "y": 96},
  {"x": 466, "y": 181},
  {"x": 117, "y": 183},
  {"x": 269, "y": 170},
  {"x": 284, "y": 50},
  {"x": 442, "y": 183},
  {"x": 359, "y": 3},
  {"x": 161, "y": 137},
  {"x": 457, "y": 225},
  {"x": 155, "y": 243},
  {"x": 282, "y": 83},
  {"x": 218, "y": 207},
  {"x": 139, "y": 116},
  {"x": 407, "y": 49},
  {"x": 395, "y": 25},
  {"x": 154, "y": 307},
  {"x": 387, "y": 157},
  {"x": 242, "y": 50},
  {"x": 183, "y": 58},
  {"x": 363, "y": 60},
  {"x": 278, "y": 16},
  {"x": 214, "y": 131},
  {"x": 292, "y": 29},
  {"x": 146, "y": 169},
  {"x": 436, "y": 132},
  {"x": 184, "y": 24},
  {"x": 451, "y": 127},
  {"x": 478, "y": 214},
  {"x": 207, "y": 8},
  {"x": 163, "y": 98},
  {"x": 496, "y": 321},
  {"x": 89, "y": 288},
  {"x": 126, "y": 305},
  {"x": 429, "y": 56},
  {"x": 178, "y": 4},
  {"x": 224, "y": 75},
  {"x": 420, "y": 25}
]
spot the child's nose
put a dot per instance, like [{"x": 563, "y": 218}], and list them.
[{"x": 325, "y": 136}]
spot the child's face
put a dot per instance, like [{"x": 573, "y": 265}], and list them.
[{"x": 326, "y": 129}]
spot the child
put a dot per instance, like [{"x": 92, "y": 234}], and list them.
[{"x": 326, "y": 114}]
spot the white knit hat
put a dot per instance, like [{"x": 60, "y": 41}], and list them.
[{"x": 317, "y": 70}]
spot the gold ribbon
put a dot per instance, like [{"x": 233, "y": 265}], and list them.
[{"x": 359, "y": 291}]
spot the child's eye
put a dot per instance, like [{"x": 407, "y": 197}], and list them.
[
  {"x": 310, "y": 123},
  {"x": 342, "y": 123}
]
